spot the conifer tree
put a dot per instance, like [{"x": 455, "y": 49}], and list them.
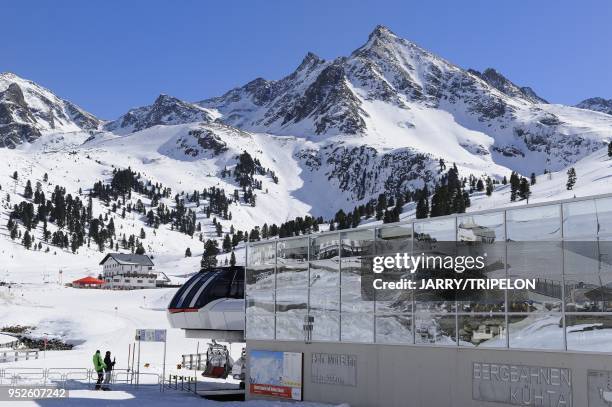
[
  {"x": 27, "y": 240},
  {"x": 571, "y": 178},
  {"x": 27, "y": 192},
  {"x": 209, "y": 257},
  {"x": 524, "y": 191}
]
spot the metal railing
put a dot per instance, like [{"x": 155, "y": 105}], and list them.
[
  {"x": 193, "y": 361},
  {"x": 70, "y": 377},
  {"x": 187, "y": 383},
  {"x": 15, "y": 355}
]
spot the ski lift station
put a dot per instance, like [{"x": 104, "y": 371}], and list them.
[{"x": 316, "y": 331}]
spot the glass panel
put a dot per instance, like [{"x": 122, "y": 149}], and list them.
[
  {"x": 604, "y": 216},
  {"x": 260, "y": 289},
  {"x": 324, "y": 247},
  {"x": 482, "y": 236},
  {"x": 394, "y": 301},
  {"x": 324, "y": 299},
  {"x": 579, "y": 220},
  {"x": 546, "y": 296},
  {"x": 260, "y": 278},
  {"x": 321, "y": 300},
  {"x": 326, "y": 325},
  {"x": 481, "y": 229},
  {"x": 394, "y": 239},
  {"x": 588, "y": 293},
  {"x": 536, "y": 331},
  {"x": 431, "y": 300},
  {"x": 589, "y": 332},
  {"x": 529, "y": 224},
  {"x": 290, "y": 300},
  {"x": 325, "y": 285},
  {"x": 292, "y": 276},
  {"x": 291, "y": 288},
  {"x": 432, "y": 231},
  {"x": 260, "y": 254},
  {"x": 289, "y": 324},
  {"x": 583, "y": 257},
  {"x": 437, "y": 329},
  {"x": 529, "y": 259},
  {"x": 260, "y": 326},
  {"x": 434, "y": 239},
  {"x": 352, "y": 298},
  {"x": 604, "y": 248},
  {"x": 481, "y": 300},
  {"x": 260, "y": 302},
  {"x": 359, "y": 242},
  {"x": 357, "y": 327},
  {"x": 482, "y": 330},
  {"x": 292, "y": 251},
  {"x": 394, "y": 329}
]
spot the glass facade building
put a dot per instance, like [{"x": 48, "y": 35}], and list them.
[{"x": 565, "y": 247}]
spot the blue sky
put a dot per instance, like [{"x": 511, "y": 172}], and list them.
[{"x": 109, "y": 56}]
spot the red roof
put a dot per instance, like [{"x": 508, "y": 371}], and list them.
[{"x": 88, "y": 280}]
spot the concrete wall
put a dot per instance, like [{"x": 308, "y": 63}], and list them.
[{"x": 422, "y": 376}]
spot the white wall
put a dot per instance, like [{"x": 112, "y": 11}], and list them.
[{"x": 423, "y": 376}]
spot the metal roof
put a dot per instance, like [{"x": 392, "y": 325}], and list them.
[{"x": 129, "y": 259}]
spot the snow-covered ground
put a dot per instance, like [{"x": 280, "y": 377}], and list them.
[
  {"x": 128, "y": 396},
  {"x": 106, "y": 320}
]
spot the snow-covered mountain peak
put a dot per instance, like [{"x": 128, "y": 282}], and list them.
[
  {"x": 28, "y": 110},
  {"x": 597, "y": 104},
  {"x": 165, "y": 110},
  {"x": 310, "y": 60},
  {"x": 382, "y": 32}
]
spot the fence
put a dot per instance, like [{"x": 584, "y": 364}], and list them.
[
  {"x": 78, "y": 378},
  {"x": 194, "y": 361},
  {"x": 69, "y": 377},
  {"x": 15, "y": 355},
  {"x": 183, "y": 382}
]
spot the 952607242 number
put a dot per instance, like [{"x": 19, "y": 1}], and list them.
[{"x": 15, "y": 393}]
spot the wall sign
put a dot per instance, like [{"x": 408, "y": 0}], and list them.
[
  {"x": 276, "y": 374},
  {"x": 151, "y": 335},
  {"x": 522, "y": 385},
  {"x": 333, "y": 368}
]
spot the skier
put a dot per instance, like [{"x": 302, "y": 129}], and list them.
[{"x": 99, "y": 367}]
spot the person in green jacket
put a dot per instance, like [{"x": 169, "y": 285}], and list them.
[{"x": 99, "y": 366}]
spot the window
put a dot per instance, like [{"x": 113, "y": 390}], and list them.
[
  {"x": 291, "y": 288},
  {"x": 260, "y": 291},
  {"x": 566, "y": 248}
]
